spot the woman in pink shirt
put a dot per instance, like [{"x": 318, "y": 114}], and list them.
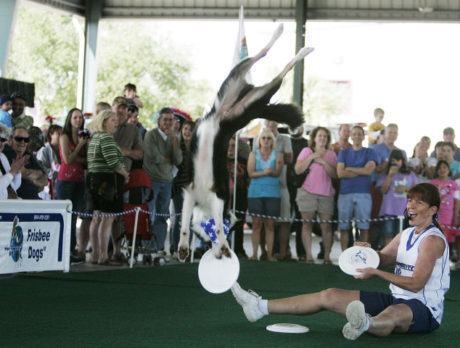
[
  {"x": 316, "y": 195},
  {"x": 70, "y": 183},
  {"x": 449, "y": 211}
]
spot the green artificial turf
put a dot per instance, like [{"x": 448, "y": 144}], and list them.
[{"x": 167, "y": 307}]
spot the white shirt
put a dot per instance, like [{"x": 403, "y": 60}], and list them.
[
  {"x": 432, "y": 294},
  {"x": 8, "y": 179}
]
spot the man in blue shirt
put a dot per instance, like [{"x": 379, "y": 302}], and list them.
[
  {"x": 354, "y": 167},
  {"x": 382, "y": 151}
]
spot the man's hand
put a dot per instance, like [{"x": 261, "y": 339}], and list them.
[
  {"x": 18, "y": 163},
  {"x": 170, "y": 131}
]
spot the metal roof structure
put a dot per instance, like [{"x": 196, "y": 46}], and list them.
[
  {"x": 299, "y": 11},
  {"x": 382, "y": 10}
]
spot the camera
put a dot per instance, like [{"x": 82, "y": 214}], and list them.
[{"x": 84, "y": 133}]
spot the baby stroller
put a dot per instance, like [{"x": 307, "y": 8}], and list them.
[{"x": 137, "y": 193}]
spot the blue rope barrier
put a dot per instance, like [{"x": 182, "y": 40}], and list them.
[{"x": 276, "y": 218}]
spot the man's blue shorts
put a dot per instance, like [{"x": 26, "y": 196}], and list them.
[
  {"x": 422, "y": 319},
  {"x": 358, "y": 205}
]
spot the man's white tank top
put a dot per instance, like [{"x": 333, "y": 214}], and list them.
[{"x": 432, "y": 295}]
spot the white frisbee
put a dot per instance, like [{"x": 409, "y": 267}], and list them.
[
  {"x": 358, "y": 257},
  {"x": 288, "y": 328},
  {"x": 218, "y": 275}
]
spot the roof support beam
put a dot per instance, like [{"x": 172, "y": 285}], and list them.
[
  {"x": 300, "y": 19},
  {"x": 8, "y": 11},
  {"x": 92, "y": 16}
]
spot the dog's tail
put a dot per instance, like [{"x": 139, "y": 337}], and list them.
[{"x": 283, "y": 113}]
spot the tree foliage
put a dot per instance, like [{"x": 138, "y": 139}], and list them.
[
  {"x": 45, "y": 51},
  {"x": 324, "y": 100},
  {"x": 130, "y": 52}
]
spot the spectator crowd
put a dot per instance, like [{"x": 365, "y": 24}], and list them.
[{"x": 343, "y": 186}]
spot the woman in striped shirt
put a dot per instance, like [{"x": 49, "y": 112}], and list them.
[{"x": 106, "y": 176}]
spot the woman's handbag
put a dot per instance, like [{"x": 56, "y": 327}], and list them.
[{"x": 297, "y": 180}]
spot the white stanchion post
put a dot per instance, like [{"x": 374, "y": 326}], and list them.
[
  {"x": 131, "y": 261},
  {"x": 235, "y": 173},
  {"x": 354, "y": 232},
  {"x": 401, "y": 222},
  {"x": 192, "y": 248}
]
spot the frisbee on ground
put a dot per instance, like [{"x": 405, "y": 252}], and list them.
[
  {"x": 288, "y": 328},
  {"x": 358, "y": 257},
  {"x": 218, "y": 275}
]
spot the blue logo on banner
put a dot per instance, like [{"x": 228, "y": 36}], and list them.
[{"x": 17, "y": 237}]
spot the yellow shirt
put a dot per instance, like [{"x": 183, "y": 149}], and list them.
[{"x": 374, "y": 127}]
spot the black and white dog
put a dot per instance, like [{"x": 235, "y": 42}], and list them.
[{"x": 237, "y": 103}]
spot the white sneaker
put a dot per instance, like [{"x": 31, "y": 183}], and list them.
[
  {"x": 249, "y": 300},
  {"x": 358, "y": 320}
]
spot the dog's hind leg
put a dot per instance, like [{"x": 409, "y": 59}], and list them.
[
  {"x": 235, "y": 83},
  {"x": 244, "y": 66},
  {"x": 187, "y": 209},
  {"x": 266, "y": 91},
  {"x": 303, "y": 52},
  {"x": 275, "y": 36}
]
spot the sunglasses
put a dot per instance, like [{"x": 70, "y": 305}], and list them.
[
  {"x": 167, "y": 119},
  {"x": 19, "y": 139},
  {"x": 265, "y": 138},
  {"x": 3, "y": 140}
]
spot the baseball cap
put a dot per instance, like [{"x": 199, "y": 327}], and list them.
[
  {"x": 120, "y": 101},
  {"x": 4, "y": 98}
]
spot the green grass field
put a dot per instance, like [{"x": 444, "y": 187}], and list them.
[{"x": 167, "y": 307}]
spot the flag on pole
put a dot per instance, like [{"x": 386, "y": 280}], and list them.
[
  {"x": 241, "y": 47},
  {"x": 241, "y": 52}
]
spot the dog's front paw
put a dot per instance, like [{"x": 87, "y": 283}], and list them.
[
  {"x": 220, "y": 251},
  {"x": 183, "y": 253},
  {"x": 226, "y": 251}
]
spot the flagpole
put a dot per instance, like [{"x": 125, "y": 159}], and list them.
[{"x": 241, "y": 52}]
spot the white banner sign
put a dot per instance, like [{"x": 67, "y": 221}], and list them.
[{"x": 34, "y": 236}]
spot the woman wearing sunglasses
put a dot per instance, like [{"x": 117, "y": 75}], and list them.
[
  {"x": 33, "y": 178},
  {"x": 264, "y": 193}
]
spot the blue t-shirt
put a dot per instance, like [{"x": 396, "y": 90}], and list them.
[
  {"x": 382, "y": 151},
  {"x": 5, "y": 118},
  {"x": 265, "y": 186},
  {"x": 455, "y": 169},
  {"x": 357, "y": 159}
]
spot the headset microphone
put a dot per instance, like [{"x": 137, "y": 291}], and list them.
[{"x": 406, "y": 214}]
